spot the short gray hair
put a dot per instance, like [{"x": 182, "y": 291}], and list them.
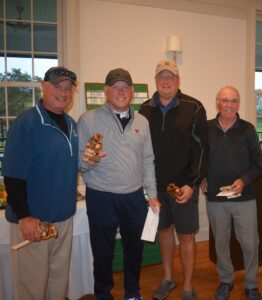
[{"x": 230, "y": 88}]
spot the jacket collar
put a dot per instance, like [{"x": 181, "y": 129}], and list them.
[
  {"x": 43, "y": 114},
  {"x": 155, "y": 98},
  {"x": 235, "y": 125},
  {"x": 108, "y": 109}
]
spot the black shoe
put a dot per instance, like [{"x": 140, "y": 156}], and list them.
[
  {"x": 253, "y": 294},
  {"x": 223, "y": 291}
]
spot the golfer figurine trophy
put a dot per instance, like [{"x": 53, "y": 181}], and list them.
[
  {"x": 95, "y": 143},
  {"x": 46, "y": 231},
  {"x": 173, "y": 190}
]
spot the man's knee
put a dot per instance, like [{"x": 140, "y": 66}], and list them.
[
  {"x": 186, "y": 238},
  {"x": 167, "y": 231}
]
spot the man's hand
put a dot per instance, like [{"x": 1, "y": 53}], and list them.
[
  {"x": 88, "y": 153},
  {"x": 237, "y": 186},
  {"x": 155, "y": 205},
  {"x": 187, "y": 193},
  {"x": 29, "y": 228}
]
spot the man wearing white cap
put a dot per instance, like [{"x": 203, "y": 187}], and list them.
[{"x": 179, "y": 135}]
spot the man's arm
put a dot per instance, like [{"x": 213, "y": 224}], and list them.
[
  {"x": 199, "y": 148},
  {"x": 255, "y": 154},
  {"x": 148, "y": 176},
  {"x": 83, "y": 137},
  {"x": 16, "y": 196},
  {"x": 17, "y": 199}
]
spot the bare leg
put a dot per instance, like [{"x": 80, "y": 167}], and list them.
[
  {"x": 167, "y": 248},
  {"x": 187, "y": 256}
]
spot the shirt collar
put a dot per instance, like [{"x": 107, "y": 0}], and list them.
[{"x": 165, "y": 108}]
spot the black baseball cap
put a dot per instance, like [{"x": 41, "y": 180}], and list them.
[
  {"x": 118, "y": 75},
  {"x": 55, "y": 75}
]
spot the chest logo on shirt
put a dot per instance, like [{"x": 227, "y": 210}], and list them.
[
  {"x": 75, "y": 133},
  {"x": 136, "y": 130}
]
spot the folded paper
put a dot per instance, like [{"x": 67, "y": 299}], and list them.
[{"x": 150, "y": 227}]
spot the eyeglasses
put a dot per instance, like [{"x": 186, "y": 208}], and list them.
[{"x": 227, "y": 101}]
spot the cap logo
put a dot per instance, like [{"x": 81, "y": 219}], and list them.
[{"x": 167, "y": 65}]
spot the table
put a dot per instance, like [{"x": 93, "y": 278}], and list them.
[{"x": 81, "y": 280}]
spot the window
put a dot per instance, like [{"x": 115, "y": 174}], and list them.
[
  {"x": 28, "y": 47},
  {"x": 258, "y": 74}
]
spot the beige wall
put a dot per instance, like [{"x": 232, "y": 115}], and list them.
[
  {"x": 133, "y": 37},
  {"x": 110, "y": 35}
]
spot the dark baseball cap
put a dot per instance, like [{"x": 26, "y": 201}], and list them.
[
  {"x": 55, "y": 75},
  {"x": 118, "y": 75}
]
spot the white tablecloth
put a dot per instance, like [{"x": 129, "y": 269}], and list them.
[{"x": 81, "y": 280}]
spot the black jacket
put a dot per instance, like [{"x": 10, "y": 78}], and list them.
[
  {"x": 179, "y": 140},
  {"x": 233, "y": 154}
]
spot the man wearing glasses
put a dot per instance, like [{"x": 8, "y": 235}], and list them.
[
  {"x": 179, "y": 135},
  {"x": 234, "y": 162}
]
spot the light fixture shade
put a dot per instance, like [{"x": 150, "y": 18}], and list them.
[{"x": 174, "y": 43}]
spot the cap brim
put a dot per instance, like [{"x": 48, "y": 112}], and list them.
[
  {"x": 121, "y": 79},
  {"x": 167, "y": 69},
  {"x": 56, "y": 81}
]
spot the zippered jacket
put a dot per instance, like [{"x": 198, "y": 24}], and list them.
[
  {"x": 39, "y": 153},
  {"x": 179, "y": 140},
  {"x": 129, "y": 163},
  {"x": 233, "y": 154}
]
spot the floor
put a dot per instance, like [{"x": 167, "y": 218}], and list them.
[{"x": 205, "y": 279}]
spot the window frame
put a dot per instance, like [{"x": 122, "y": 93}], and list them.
[
  {"x": 31, "y": 54},
  {"x": 5, "y": 54}
]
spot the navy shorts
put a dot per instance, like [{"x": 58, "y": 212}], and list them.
[{"x": 185, "y": 217}]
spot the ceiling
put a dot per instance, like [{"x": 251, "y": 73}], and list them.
[{"x": 227, "y": 8}]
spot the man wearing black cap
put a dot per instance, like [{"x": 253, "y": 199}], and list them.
[
  {"x": 40, "y": 174},
  {"x": 115, "y": 195}
]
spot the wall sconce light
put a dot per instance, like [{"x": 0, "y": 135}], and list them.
[{"x": 174, "y": 45}]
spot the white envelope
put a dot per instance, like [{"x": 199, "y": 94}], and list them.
[
  {"x": 150, "y": 227},
  {"x": 228, "y": 193}
]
